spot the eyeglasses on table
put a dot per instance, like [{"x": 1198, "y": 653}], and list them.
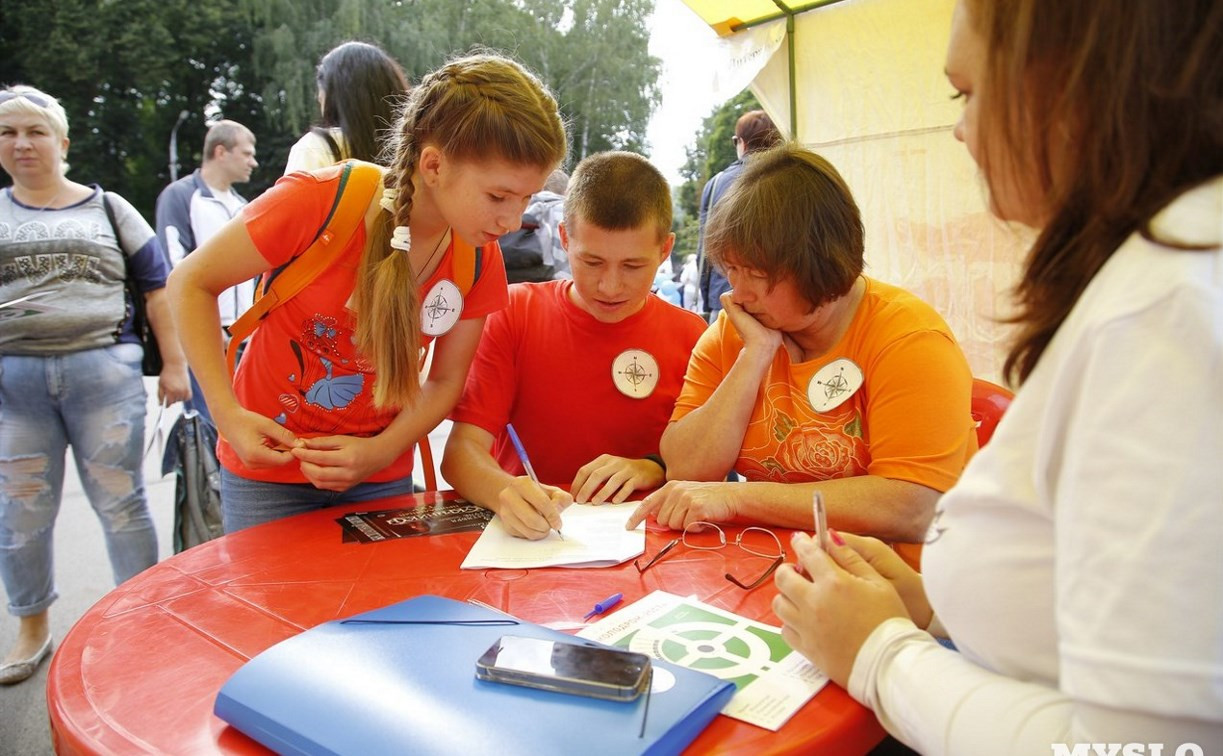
[{"x": 754, "y": 540}]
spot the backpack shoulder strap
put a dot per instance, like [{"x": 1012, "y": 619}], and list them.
[
  {"x": 358, "y": 182},
  {"x": 468, "y": 264}
]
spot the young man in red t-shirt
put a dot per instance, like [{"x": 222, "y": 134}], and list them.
[{"x": 587, "y": 371}]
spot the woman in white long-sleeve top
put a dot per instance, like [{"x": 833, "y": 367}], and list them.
[{"x": 1076, "y": 564}]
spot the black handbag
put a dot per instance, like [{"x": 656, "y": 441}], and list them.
[{"x": 151, "y": 365}]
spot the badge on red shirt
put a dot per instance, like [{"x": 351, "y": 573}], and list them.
[{"x": 635, "y": 373}]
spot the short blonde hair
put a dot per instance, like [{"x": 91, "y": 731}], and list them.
[
  {"x": 225, "y": 134},
  {"x": 26, "y": 100}
]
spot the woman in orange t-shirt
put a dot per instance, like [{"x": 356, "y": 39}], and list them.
[{"x": 815, "y": 377}]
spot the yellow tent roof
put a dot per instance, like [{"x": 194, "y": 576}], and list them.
[{"x": 728, "y": 16}]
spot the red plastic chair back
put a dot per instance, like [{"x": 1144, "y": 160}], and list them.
[
  {"x": 989, "y": 401},
  {"x": 426, "y": 462}
]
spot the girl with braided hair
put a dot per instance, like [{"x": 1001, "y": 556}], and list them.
[{"x": 328, "y": 399}]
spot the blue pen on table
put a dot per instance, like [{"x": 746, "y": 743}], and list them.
[
  {"x": 526, "y": 462},
  {"x": 604, "y": 605}
]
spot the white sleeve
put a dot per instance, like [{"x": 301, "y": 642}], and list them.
[
  {"x": 174, "y": 245},
  {"x": 938, "y": 702},
  {"x": 308, "y": 154}
]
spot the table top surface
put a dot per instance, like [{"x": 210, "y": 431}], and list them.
[{"x": 139, "y": 672}]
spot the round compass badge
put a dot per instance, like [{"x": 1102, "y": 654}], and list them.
[
  {"x": 441, "y": 308},
  {"x": 833, "y": 384},
  {"x": 635, "y": 373}
]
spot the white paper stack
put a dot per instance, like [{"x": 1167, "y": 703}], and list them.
[{"x": 594, "y": 537}]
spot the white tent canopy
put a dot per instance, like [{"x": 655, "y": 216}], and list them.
[{"x": 869, "y": 94}]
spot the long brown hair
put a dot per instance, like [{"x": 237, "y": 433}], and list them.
[
  {"x": 479, "y": 107},
  {"x": 1114, "y": 109},
  {"x": 362, "y": 87}
]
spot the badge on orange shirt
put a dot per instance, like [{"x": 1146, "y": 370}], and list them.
[
  {"x": 441, "y": 308},
  {"x": 833, "y": 384},
  {"x": 635, "y": 373}
]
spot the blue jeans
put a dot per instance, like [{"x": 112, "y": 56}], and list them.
[
  {"x": 93, "y": 401},
  {"x": 246, "y": 503}
]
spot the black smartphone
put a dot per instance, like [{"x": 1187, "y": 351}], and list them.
[{"x": 566, "y": 667}]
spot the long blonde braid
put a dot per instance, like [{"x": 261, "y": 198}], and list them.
[{"x": 478, "y": 107}]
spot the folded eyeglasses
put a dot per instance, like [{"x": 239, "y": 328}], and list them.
[{"x": 756, "y": 541}]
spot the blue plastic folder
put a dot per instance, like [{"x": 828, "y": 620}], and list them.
[{"x": 345, "y": 688}]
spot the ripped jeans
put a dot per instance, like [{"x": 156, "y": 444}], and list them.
[{"x": 93, "y": 401}]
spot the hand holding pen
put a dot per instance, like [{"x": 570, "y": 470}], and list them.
[{"x": 545, "y": 501}]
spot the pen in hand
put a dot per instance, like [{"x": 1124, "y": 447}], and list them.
[
  {"x": 821, "y": 520},
  {"x": 526, "y": 462}
]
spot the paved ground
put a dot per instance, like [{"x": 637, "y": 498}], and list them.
[{"x": 82, "y": 576}]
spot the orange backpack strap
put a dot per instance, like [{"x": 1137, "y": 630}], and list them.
[
  {"x": 468, "y": 262},
  {"x": 358, "y": 182}
]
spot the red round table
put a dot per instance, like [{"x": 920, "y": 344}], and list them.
[{"x": 140, "y": 670}]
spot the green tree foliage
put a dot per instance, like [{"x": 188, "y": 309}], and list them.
[
  {"x": 712, "y": 151},
  {"x": 592, "y": 53},
  {"x": 125, "y": 69}
]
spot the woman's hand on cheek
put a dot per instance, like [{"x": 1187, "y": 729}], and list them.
[
  {"x": 827, "y": 616},
  {"x": 754, "y": 333}
]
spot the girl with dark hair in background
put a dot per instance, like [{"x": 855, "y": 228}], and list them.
[{"x": 359, "y": 89}]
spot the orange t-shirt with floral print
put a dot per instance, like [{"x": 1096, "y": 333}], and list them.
[{"x": 910, "y": 419}]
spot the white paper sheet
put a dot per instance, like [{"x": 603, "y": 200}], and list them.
[{"x": 594, "y": 537}]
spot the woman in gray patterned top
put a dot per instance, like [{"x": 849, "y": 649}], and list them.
[{"x": 70, "y": 370}]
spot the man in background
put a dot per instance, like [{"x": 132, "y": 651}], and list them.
[{"x": 192, "y": 209}]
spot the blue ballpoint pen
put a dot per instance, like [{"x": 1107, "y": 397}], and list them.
[
  {"x": 526, "y": 462},
  {"x": 604, "y": 605}
]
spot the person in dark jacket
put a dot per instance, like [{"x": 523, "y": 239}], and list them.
[{"x": 754, "y": 131}]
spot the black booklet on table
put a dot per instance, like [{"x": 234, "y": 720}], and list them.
[{"x": 438, "y": 518}]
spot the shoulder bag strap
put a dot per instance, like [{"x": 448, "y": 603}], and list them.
[{"x": 114, "y": 227}]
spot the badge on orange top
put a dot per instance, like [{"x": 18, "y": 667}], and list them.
[
  {"x": 833, "y": 384},
  {"x": 635, "y": 373}
]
